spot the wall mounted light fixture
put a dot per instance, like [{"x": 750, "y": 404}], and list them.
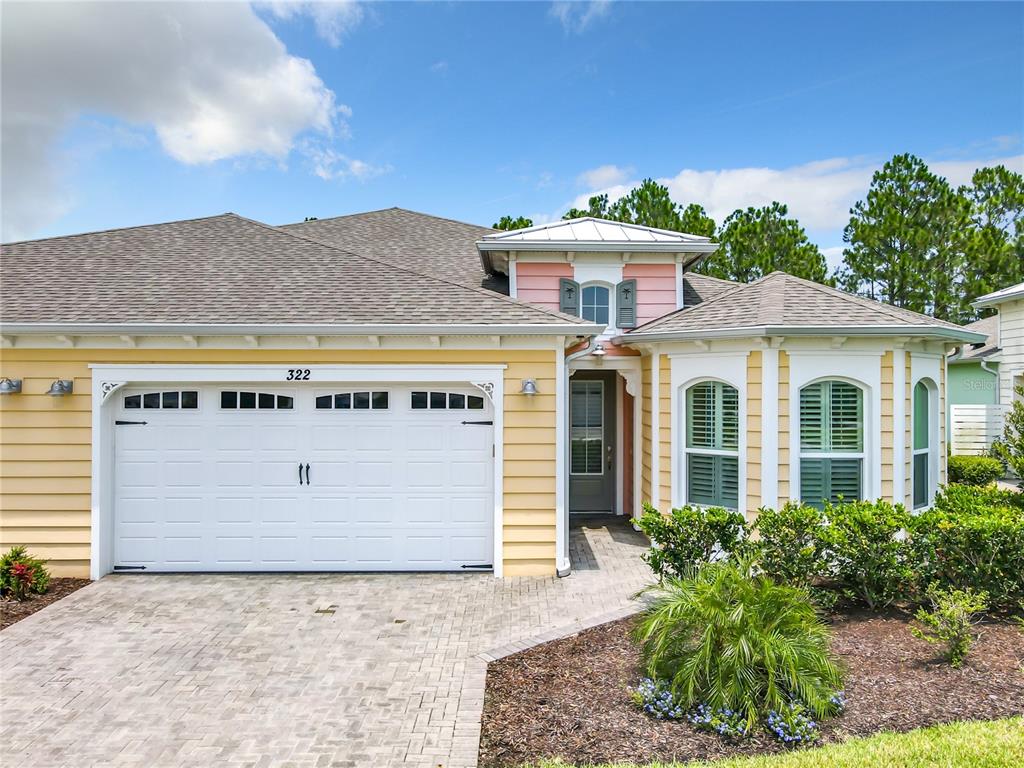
[
  {"x": 599, "y": 351},
  {"x": 10, "y": 386},
  {"x": 529, "y": 387},
  {"x": 61, "y": 387}
]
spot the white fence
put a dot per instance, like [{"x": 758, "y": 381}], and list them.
[{"x": 974, "y": 427}]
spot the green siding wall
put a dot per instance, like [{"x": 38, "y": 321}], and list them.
[{"x": 968, "y": 384}]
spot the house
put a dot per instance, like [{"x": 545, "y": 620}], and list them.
[
  {"x": 983, "y": 376},
  {"x": 396, "y": 391}
]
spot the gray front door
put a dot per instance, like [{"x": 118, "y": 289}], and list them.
[{"x": 592, "y": 442}]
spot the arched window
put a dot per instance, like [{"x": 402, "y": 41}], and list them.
[
  {"x": 831, "y": 442},
  {"x": 595, "y": 303},
  {"x": 923, "y": 445},
  {"x": 712, "y": 444}
]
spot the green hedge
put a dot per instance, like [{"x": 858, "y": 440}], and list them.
[
  {"x": 874, "y": 553},
  {"x": 974, "y": 470}
]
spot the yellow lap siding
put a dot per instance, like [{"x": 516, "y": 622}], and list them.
[
  {"x": 646, "y": 428},
  {"x": 754, "y": 388},
  {"x": 888, "y": 432},
  {"x": 45, "y": 453},
  {"x": 665, "y": 432},
  {"x": 784, "y": 492}
]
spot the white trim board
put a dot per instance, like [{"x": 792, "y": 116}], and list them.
[{"x": 108, "y": 378}]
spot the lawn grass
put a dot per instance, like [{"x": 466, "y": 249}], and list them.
[{"x": 992, "y": 744}]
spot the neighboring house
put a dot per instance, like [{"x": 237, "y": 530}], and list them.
[
  {"x": 1008, "y": 337},
  {"x": 974, "y": 390},
  {"x": 359, "y": 393}
]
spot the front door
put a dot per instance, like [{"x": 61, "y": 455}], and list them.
[{"x": 592, "y": 441}]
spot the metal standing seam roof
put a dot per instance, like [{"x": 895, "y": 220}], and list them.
[
  {"x": 229, "y": 270},
  {"x": 781, "y": 301},
  {"x": 1004, "y": 294},
  {"x": 590, "y": 230}
]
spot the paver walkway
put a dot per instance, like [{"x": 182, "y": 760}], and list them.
[{"x": 286, "y": 670}]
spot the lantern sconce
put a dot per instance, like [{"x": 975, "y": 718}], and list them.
[
  {"x": 61, "y": 387},
  {"x": 529, "y": 387},
  {"x": 10, "y": 386},
  {"x": 599, "y": 351}
]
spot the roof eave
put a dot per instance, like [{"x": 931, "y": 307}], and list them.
[
  {"x": 992, "y": 299},
  {"x": 595, "y": 246},
  {"x": 279, "y": 329},
  {"x": 927, "y": 331}
]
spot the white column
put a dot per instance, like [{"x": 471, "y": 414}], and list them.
[{"x": 562, "y": 563}]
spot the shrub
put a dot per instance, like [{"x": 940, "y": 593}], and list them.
[
  {"x": 790, "y": 547},
  {"x": 973, "y": 538},
  {"x": 974, "y": 470},
  {"x": 1010, "y": 447},
  {"x": 868, "y": 550},
  {"x": 656, "y": 699},
  {"x": 689, "y": 537},
  {"x": 736, "y": 641},
  {"x": 950, "y": 619},
  {"x": 21, "y": 574},
  {"x": 731, "y": 726}
]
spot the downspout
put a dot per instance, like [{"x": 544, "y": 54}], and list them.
[
  {"x": 563, "y": 566},
  {"x": 995, "y": 374}
]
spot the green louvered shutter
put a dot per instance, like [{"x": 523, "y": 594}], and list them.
[
  {"x": 625, "y": 304},
  {"x": 831, "y": 421},
  {"x": 569, "y": 296},
  {"x": 712, "y": 422}
]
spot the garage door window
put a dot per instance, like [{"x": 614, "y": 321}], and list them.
[
  {"x": 188, "y": 399},
  {"x": 450, "y": 401},
  {"x": 246, "y": 401},
  {"x": 347, "y": 401}
]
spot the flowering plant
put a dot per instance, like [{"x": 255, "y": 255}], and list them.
[
  {"x": 792, "y": 726},
  {"x": 728, "y": 724},
  {"x": 656, "y": 699}
]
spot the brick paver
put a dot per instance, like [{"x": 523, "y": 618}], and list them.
[{"x": 346, "y": 670}]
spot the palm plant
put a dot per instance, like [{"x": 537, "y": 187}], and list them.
[{"x": 734, "y": 640}]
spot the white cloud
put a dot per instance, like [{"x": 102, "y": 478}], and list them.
[
  {"x": 603, "y": 177},
  {"x": 819, "y": 193},
  {"x": 211, "y": 80},
  {"x": 833, "y": 256},
  {"x": 330, "y": 164},
  {"x": 332, "y": 19},
  {"x": 439, "y": 67},
  {"x": 576, "y": 15}
]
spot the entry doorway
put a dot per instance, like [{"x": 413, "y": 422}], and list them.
[{"x": 592, "y": 441}]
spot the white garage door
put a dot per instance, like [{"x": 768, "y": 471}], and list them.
[{"x": 326, "y": 478}]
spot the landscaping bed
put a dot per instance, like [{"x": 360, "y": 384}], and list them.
[
  {"x": 570, "y": 699},
  {"x": 12, "y": 611}
]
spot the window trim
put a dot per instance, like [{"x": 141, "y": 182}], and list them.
[
  {"x": 931, "y": 448},
  {"x": 736, "y": 452},
  {"x": 802, "y": 453}
]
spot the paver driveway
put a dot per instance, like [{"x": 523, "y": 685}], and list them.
[{"x": 275, "y": 670}]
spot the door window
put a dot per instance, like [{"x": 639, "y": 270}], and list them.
[{"x": 586, "y": 429}]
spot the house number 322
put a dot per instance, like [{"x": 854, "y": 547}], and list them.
[{"x": 297, "y": 374}]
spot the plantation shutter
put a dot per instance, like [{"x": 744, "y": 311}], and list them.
[
  {"x": 712, "y": 424},
  {"x": 713, "y": 480},
  {"x": 831, "y": 480},
  {"x": 920, "y": 479},
  {"x": 831, "y": 417},
  {"x": 569, "y": 296},
  {"x": 625, "y": 304},
  {"x": 920, "y": 416}
]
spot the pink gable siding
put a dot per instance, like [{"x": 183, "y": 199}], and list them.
[
  {"x": 655, "y": 289},
  {"x": 537, "y": 282}
]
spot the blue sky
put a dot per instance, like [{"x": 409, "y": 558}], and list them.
[{"x": 473, "y": 110}]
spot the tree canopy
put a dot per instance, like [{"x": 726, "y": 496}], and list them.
[{"x": 508, "y": 223}]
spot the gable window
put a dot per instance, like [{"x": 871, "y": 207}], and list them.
[
  {"x": 831, "y": 442},
  {"x": 712, "y": 445},
  {"x": 595, "y": 304},
  {"x": 923, "y": 438}
]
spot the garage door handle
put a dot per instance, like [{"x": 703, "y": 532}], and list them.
[
  {"x": 307, "y": 475},
  {"x": 300, "y": 473},
  {"x": 478, "y": 422}
]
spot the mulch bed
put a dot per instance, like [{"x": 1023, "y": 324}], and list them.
[
  {"x": 569, "y": 698},
  {"x": 12, "y": 611}
]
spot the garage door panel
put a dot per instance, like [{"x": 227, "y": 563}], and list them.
[{"x": 215, "y": 489}]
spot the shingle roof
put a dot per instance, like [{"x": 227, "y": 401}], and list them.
[
  {"x": 589, "y": 229},
  {"x": 424, "y": 243},
  {"x": 699, "y": 288},
  {"x": 975, "y": 352},
  {"x": 231, "y": 270},
  {"x": 781, "y": 301}
]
